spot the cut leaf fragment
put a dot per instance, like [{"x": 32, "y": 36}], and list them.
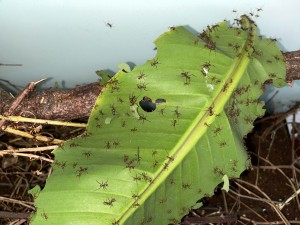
[{"x": 157, "y": 165}]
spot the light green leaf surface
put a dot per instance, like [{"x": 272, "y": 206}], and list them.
[{"x": 152, "y": 167}]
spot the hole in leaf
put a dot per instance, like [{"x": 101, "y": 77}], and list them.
[
  {"x": 147, "y": 105},
  {"x": 160, "y": 100}
]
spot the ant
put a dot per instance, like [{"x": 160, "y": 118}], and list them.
[
  {"x": 74, "y": 164},
  {"x": 217, "y": 131},
  {"x": 141, "y": 76},
  {"x": 174, "y": 122},
  {"x": 116, "y": 143},
  {"x": 186, "y": 186},
  {"x": 135, "y": 196},
  {"x": 154, "y": 63},
  {"x": 177, "y": 113},
  {"x": 205, "y": 68},
  {"x": 137, "y": 178},
  {"x": 132, "y": 100},
  {"x": 133, "y": 129},
  {"x": 225, "y": 87},
  {"x": 102, "y": 185},
  {"x": 223, "y": 144},
  {"x": 206, "y": 124},
  {"x": 109, "y": 24},
  {"x": 210, "y": 45},
  {"x": 44, "y": 215},
  {"x": 142, "y": 86},
  {"x": 135, "y": 204},
  {"x": 171, "y": 158},
  {"x": 125, "y": 158},
  {"x": 154, "y": 152},
  {"x": 72, "y": 145},
  {"x": 107, "y": 145},
  {"x": 171, "y": 181},
  {"x": 81, "y": 171},
  {"x": 109, "y": 202},
  {"x": 116, "y": 222},
  {"x": 154, "y": 164},
  {"x": 162, "y": 111},
  {"x": 210, "y": 111},
  {"x": 187, "y": 77},
  {"x": 87, "y": 154}
]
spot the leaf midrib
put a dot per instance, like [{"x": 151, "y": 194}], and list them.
[{"x": 197, "y": 129}]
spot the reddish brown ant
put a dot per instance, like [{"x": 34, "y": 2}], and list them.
[
  {"x": 102, "y": 185},
  {"x": 109, "y": 202},
  {"x": 154, "y": 63}
]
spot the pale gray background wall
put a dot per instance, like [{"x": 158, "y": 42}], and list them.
[{"x": 68, "y": 40}]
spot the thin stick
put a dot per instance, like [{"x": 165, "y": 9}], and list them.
[
  {"x": 280, "y": 171},
  {"x": 26, "y": 204},
  {"x": 267, "y": 200},
  {"x": 37, "y": 149},
  {"x": 29, "y": 156},
  {"x": 42, "y": 121},
  {"x": 27, "y": 135},
  {"x": 281, "y": 205}
]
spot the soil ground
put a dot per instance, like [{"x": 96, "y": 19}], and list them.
[
  {"x": 273, "y": 179},
  {"x": 253, "y": 199}
]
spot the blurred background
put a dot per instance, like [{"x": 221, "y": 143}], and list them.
[{"x": 68, "y": 40}]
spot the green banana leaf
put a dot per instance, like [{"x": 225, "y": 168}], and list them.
[{"x": 164, "y": 135}]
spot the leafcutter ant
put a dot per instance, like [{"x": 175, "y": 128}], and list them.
[
  {"x": 186, "y": 186},
  {"x": 44, "y": 215},
  {"x": 109, "y": 202},
  {"x": 174, "y": 122},
  {"x": 222, "y": 144},
  {"x": 116, "y": 143},
  {"x": 217, "y": 131},
  {"x": 142, "y": 75},
  {"x": 132, "y": 100},
  {"x": 154, "y": 63},
  {"x": 107, "y": 145},
  {"x": 87, "y": 154},
  {"x": 133, "y": 129},
  {"x": 210, "y": 111},
  {"x": 176, "y": 112},
  {"x": 102, "y": 185},
  {"x": 142, "y": 86},
  {"x": 81, "y": 171},
  {"x": 135, "y": 196},
  {"x": 172, "y": 28}
]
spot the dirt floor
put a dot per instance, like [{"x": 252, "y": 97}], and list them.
[
  {"x": 261, "y": 196},
  {"x": 274, "y": 178}
]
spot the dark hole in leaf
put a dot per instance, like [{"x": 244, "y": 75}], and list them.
[
  {"x": 160, "y": 100},
  {"x": 147, "y": 105}
]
